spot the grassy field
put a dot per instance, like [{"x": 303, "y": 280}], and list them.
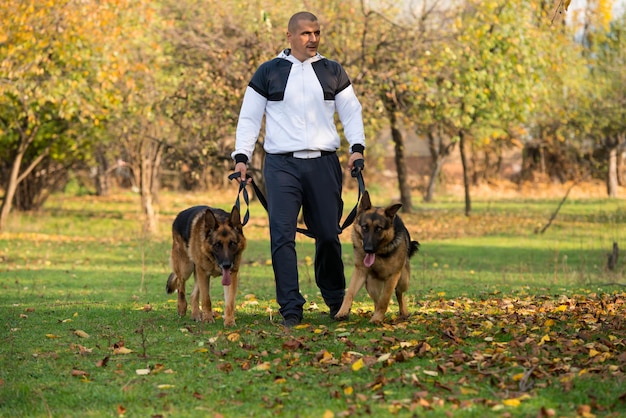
[{"x": 504, "y": 321}]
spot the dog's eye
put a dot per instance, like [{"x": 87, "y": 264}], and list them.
[
  {"x": 378, "y": 229},
  {"x": 364, "y": 228},
  {"x": 233, "y": 244},
  {"x": 218, "y": 244}
]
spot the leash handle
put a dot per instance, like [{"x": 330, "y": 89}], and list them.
[
  {"x": 246, "y": 198},
  {"x": 357, "y": 168}
]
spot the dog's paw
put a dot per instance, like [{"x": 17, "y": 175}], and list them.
[
  {"x": 208, "y": 317},
  {"x": 377, "y": 318},
  {"x": 342, "y": 315},
  {"x": 229, "y": 322}
]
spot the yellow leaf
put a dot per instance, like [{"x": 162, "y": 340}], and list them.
[
  {"x": 122, "y": 350},
  {"x": 468, "y": 391},
  {"x": 544, "y": 339},
  {"x": 593, "y": 352},
  {"x": 166, "y": 386},
  {"x": 51, "y": 336},
  {"x": 358, "y": 365},
  {"x": 348, "y": 391},
  {"x": 549, "y": 323},
  {"x": 201, "y": 350},
  {"x": 301, "y": 326},
  {"x": 232, "y": 337},
  {"x": 561, "y": 308},
  {"x": 329, "y": 414},
  {"x": 80, "y": 333},
  {"x": 430, "y": 373},
  {"x": 280, "y": 380},
  {"x": 263, "y": 366},
  {"x": 515, "y": 402},
  {"x": 518, "y": 377}
]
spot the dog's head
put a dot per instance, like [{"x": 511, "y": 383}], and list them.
[
  {"x": 374, "y": 226},
  {"x": 225, "y": 238}
]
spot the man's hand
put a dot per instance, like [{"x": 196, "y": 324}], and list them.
[
  {"x": 353, "y": 157},
  {"x": 242, "y": 169}
]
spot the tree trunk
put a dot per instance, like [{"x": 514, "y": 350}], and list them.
[
  {"x": 15, "y": 177},
  {"x": 621, "y": 138},
  {"x": 150, "y": 160},
  {"x": 436, "y": 169},
  {"x": 466, "y": 182},
  {"x": 9, "y": 193},
  {"x": 611, "y": 175},
  {"x": 102, "y": 173},
  {"x": 398, "y": 140},
  {"x": 438, "y": 154}
]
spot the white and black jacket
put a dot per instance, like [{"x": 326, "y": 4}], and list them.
[{"x": 299, "y": 100}]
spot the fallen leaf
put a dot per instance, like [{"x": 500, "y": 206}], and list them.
[
  {"x": 262, "y": 366},
  {"x": 515, "y": 402},
  {"x": 79, "y": 373},
  {"x": 358, "y": 365},
  {"x": 103, "y": 362},
  {"x": 80, "y": 333}
]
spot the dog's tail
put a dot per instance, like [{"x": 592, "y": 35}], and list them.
[
  {"x": 171, "y": 283},
  {"x": 413, "y": 248}
]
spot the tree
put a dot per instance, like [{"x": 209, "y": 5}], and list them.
[
  {"x": 483, "y": 84},
  {"x": 46, "y": 83},
  {"x": 606, "y": 111}
]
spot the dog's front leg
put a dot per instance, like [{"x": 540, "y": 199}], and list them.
[
  {"x": 382, "y": 297},
  {"x": 230, "y": 293},
  {"x": 203, "y": 283},
  {"x": 356, "y": 283}
]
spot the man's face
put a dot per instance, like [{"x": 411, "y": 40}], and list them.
[{"x": 304, "y": 39}]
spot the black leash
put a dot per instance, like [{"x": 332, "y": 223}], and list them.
[
  {"x": 246, "y": 198},
  {"x": 359, "y": 166}
]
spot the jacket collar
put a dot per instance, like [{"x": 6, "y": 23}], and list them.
[{"x": 286, "y": 54}]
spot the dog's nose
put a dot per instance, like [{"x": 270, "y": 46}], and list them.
[{"x": 226, "y": 266}]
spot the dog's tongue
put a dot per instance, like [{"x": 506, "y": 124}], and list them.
[
  {"x": 225, "y": 277},
  {"x": 369, "y": 260}
]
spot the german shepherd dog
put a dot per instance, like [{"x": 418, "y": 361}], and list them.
[
  {"x": 382, "y": 248},
  {"x": 208, "y": 242}
]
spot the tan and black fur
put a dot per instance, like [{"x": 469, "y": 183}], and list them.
[
  {"x": 382, "y": 248},
  {"x": 208, "y": 242}
]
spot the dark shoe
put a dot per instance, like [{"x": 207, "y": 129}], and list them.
[
  {"x": 333, "y": 311},
  {"x": 291, "y": 321}
]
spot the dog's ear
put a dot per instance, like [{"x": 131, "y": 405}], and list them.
[
  {"x": 235, "y": 218},
  {"x": 390, "y": 211},
  {"x": 210, "y": 222},
  {"x": 366, "y": 203}
]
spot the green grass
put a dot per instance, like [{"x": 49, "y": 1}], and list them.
[{"x": 504, "y": 321}]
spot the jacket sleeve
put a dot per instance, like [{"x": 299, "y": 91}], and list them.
[
  {"x": 350, "y": 113},
  {"x": 249, "y": 123}
]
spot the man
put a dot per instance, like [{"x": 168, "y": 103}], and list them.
[{"x": 299, "y": 92}]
